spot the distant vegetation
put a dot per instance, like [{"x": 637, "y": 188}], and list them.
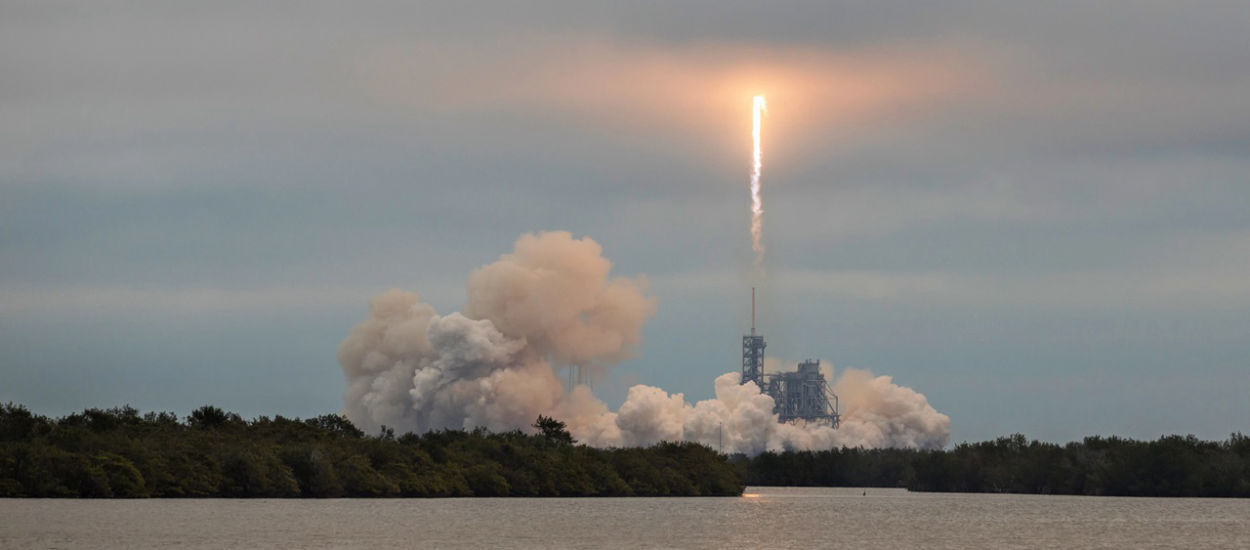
[
  {"x": 213, "y": 453},
  {"x": 1171, "y": 466}
]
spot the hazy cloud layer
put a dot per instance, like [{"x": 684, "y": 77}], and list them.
[{"x": 962, "y": 194}]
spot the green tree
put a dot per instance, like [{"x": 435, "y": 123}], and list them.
[
  {"x": 208, "y": 417},
  {"x": 554, "y": 430}
]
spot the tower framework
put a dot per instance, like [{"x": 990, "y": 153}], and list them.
[{"x": 799, "y": 396}]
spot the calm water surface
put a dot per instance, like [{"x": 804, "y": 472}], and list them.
[{"x": 768, "y": 517}]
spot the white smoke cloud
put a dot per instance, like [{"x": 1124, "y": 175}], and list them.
[
  {"x": 551, "y": 303},
  {"x": 876, "y": 413},
  {"x": 550, "y": 300},
  {"x": 554, "y": 291}
]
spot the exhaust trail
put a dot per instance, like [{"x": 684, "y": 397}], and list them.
[{"x": 757, "y": 205}]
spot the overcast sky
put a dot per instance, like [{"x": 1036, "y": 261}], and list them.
[{"x": 1036, "y": 214}]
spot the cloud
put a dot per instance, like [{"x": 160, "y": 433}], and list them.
[
  {"x": 1185, "y": 288},
  {"x": 699, "y": 90},
  {"x": 119, "y": 300}
]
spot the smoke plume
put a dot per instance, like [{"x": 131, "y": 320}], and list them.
[
  {"x": 758, "y": 105},
  {"x": 552, "y": 303}
]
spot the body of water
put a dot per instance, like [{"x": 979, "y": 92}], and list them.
[{"x": 766, "y": 517}]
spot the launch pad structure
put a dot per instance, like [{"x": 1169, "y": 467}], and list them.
[{"x": 802, "y": 395}]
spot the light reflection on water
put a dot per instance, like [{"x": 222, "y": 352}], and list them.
[{"x": 765, "y": 517}]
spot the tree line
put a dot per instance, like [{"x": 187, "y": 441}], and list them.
[
  {"x": 1179, "y": 466},
  {"x": 119, "y": 452}
]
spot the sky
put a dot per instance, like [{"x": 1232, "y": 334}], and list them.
[{"x": 1035, "y": 214}]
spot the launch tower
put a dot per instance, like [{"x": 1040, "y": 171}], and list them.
[
  {"x": 753, "y": 353},
  {"x": 803, "y": 395}
]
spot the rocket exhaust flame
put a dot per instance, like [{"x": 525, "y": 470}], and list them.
[{"x": 757, "y": 205}]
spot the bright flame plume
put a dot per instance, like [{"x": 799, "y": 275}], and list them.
[{"x": 757, "y": 205}]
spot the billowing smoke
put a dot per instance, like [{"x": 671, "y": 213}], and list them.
[
  {"x": 552, "y": 303},
  {"x": 551, "y": 300},
  {"x": 554, "y": 292}
]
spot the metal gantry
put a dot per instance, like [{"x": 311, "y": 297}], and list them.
[
  {"x": 753, "y": 360},
  {"x": 801, "y": 396},
  {"x": 804, "y": 395}
]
